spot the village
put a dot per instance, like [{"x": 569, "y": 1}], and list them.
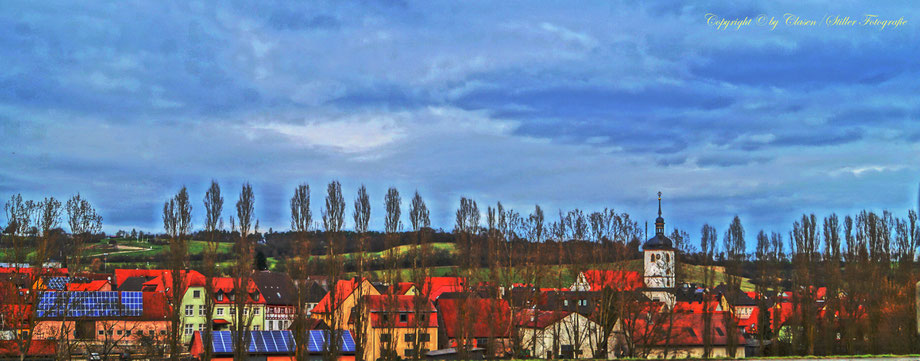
[{"x": 603, "y": 314}]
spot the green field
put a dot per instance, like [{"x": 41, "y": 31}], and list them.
[{"x": 551, "y": 275}]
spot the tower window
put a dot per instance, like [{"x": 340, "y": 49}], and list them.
[{"x": 667, "y": 257}]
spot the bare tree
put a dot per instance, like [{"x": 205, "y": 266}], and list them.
[
  {"x": 362, "y": 216},
  {"x": 177, "y": 222},
  {"x": 16, "y": 306},
  {"x": 213, "y": 207},
  {"x": 333, "y": 222},
  {"x": 301, "y": 218},
  {"x": 392, "y": 225},
  {"x": 708, "y": 247},
  {"x": 246, "y": 225},
  {"x": 420, "y": 273}
]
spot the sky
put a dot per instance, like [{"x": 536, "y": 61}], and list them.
[{"x": 591, "y": 106}]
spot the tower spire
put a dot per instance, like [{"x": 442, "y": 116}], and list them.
[{"x": 659, "y": 223}]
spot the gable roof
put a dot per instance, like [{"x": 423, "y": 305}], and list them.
[
  {"x": 488, "y": 317},
  {"x": 342, "y": 289},
  {"x": 615, "y": 279},
  {"x": 97, "y": 285},
  {"x": 36, "y": 348},
  {"x": 532, "y": 318},
  {"x": 686, "y": 329},
  {"x": 133, "y": 283},
  {"x": 380, "y": 305},
  {"x": 277, "y": 288}
]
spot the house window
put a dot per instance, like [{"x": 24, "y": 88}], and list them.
[
  {"x": 162, "y": 332},
  {"x": 424, "y": 337},
  {"x": 255, "y": 328},
  {"x": 565, "y": 302},
  {"x": 220, "y": 311},
  {"x": 128, "y": 333},
  {"x": 220, "y": 296},
  {"x": 196, "y": 294},
  {"x": 101, "y": 332},
  {"x": 233, "y": 310},
  {"x": 201, "y": 327},
  {"x": 271, "y": 325},
  {"x": 410, "y": 337},
  {"x": 385, "y": 337},
  {"x": 255, "y": 311},
  {"x": 120, "y": 332},
  {"x": 201, "y": 310},
  {"x": 423, "y": 317},
  {"x": 188, "y": 329},
  {"x": 189, "y": 310},
  {"x": 403, "y": 318},
  {"x": 583, "y": 302}
]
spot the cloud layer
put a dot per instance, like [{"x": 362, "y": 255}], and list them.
[{"x": 594, "y": 106}]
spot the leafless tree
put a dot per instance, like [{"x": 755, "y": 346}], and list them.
[
  {"x": 420, "y": 273},
  {"x": 18, "y": 309},
  {"x": 708, "y": 247},
  {"x": 333, "y": 222},
  {"x": 245, "y": 225},
  {"x": 301, "y": 218},
  {"x": 362, "y": 216},
  {"x": 177, "y": 222},
  {"x": 213, "y": 223}
]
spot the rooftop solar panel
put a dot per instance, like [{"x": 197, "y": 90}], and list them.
[
  {"x": 278, "y": 342},
  {"x": 90, "y": 304}
]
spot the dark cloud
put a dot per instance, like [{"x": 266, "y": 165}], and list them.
[{"x": 549, "y": 104}]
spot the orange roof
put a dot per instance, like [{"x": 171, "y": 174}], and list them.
[
  {"x": 617, "y": 280},
  {"x": 489, "y": 317},
  {"x": 227, "y": 285},
  {"x": 36, "y": 348},
  {"x": 98, "y": 285},
  {"x": 342, "y": 289},
  {"x": 164, "y": 281},
  {"x": 378, "y": 305}
]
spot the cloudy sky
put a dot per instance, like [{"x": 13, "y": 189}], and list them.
[{"x": 590, "y": 106}]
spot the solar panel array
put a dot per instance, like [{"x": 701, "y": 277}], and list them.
[
  {"x": 278, "y": 342},
  {"x": 58, "y": 283},
  {"x": 90, "y": 304}
]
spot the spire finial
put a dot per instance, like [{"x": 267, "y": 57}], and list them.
[{"x": 659, "y": 203}]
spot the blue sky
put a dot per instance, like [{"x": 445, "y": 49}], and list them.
[{"x": 597, "y": 105}]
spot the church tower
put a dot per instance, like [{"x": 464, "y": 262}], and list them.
[{"x": 660, "y": 263}]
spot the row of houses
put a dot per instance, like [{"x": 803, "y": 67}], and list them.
[{"x": 603, "y": 314}]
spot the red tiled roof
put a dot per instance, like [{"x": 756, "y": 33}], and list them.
[
  {"x": 391, "y": 306},
  {"x": 30, "y": 270},
  {"x": 36, "y": 348},
  {"x": 227, "y": 285},
  {"x": 532, "y": 318},
  {"x": 435, "y": 286},
  {"x": 163, "y": 282},
  {"x": 98, "y": 285},
  {"x": 156, "y": 306},
  {"x": 687, "y": 330},
  {"x": 617, "y": 280},
  {"x": 488, "y": 317},
  {"x": 695, "y": 307},
  {"x": 342, "y": 289}
]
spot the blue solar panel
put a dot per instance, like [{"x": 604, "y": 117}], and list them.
[
  {"x": 279, "y": 342},
  {"x": 90, "y": 304},
  {"x": 348, "y": 343},
  {"x": 318, "y": 341},
  {"x": 222, "y": 341}
]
